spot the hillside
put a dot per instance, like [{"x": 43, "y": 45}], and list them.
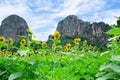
[{"x": 13, "y": 26}]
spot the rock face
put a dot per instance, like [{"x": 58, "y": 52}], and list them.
[
  {"x": 13, "y": 26},
  {"x": 73, "y": 26}
]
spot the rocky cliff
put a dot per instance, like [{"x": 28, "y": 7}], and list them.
[
  {"x": 73, "y": 26},
  {"x": 13, "y": 26}
]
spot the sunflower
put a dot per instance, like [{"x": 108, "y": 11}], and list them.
[
  {"x": 94, "y": 47},
  {"x": 56, "y": 35},
  {"x": 29, "y": 31},
  {"x": 3, "y": 54},
  {"x": 97, "y": 51},
  {"x": 15, "y": 53},
  {"x": 9, "y": 53},
  {"x": 22, "y": 42},
  {"x": 65, "y": 50},
  {"x": 29, "y": 42},
  {"x": 2, "y": 39},
  {"x": 25, "y": 55},
  {"x": 11, "y": 41},
  {"x": 34, "y": 36},
  {"x": 68, "y": 46},
  {"x": 115, "y": 35},
  {"x": 44, "y": 45},
  {"x": 85, "y": 42},
  {"x": 77, "y": 40},
  {"x": 53, "y": 46},
  {"x": 90, "y": 46}
]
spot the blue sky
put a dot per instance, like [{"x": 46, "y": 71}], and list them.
[{"x": 42, "y": 16}]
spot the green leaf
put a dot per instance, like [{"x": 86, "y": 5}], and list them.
[
  {"x": 115, "y": 58},
  {"x": 22, "y": 37},
  {"x": 22, "y": 52},
  {"x": 36, "y": 42},
  {"x": 106, "y": 52},
  {"x": 115, "y": 68},
  {"x": 11, "y": 58},
  {"x": 29, "y": 31},
  {"x": 99, "y": 74},
  {"x": 23, "y": 47},
  {"x": 57, "y": 41},
  {"x": 44, "y": 69},
  {"x": 15, "y": 75},
  {"x": 117, "y": 17},
  {"x": 32, "y": 62},
  {"x": 113, "y": 38},
  {"x": 114, "y": 31},
  {"x": 104, "y": 66},
  {"x": 59, "y": 47},
  {"x": 105, "y": 77},
  {"x": 13, "y": 47},
  {"x": 3, "y": 72}
]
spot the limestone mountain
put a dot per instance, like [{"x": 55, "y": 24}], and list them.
[
  {"x": 73, "y": 26},
  {"x": 13, "y": 26}
]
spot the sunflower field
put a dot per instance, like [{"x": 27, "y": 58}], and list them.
[{"x": 34, "y": 60}]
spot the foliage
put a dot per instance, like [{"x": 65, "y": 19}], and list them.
[
  {"x": 51, "y": 67},
  {"x": 111, "y": 69},
  {"x": 76, "y": 60}
]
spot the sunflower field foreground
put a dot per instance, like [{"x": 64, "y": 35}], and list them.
[{"x": 26, "y": 59}]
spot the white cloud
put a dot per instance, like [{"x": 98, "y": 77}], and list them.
[
  {"x": 7, "y": 9},
  {"x": 80, "y": 7},
  {"x": 108, "y": 16},
  {"x": 44, "y": 35},
  {"x": 104, "y": 16}
]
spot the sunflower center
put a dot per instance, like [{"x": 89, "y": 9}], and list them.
[{"x": 1, "y": 40}]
